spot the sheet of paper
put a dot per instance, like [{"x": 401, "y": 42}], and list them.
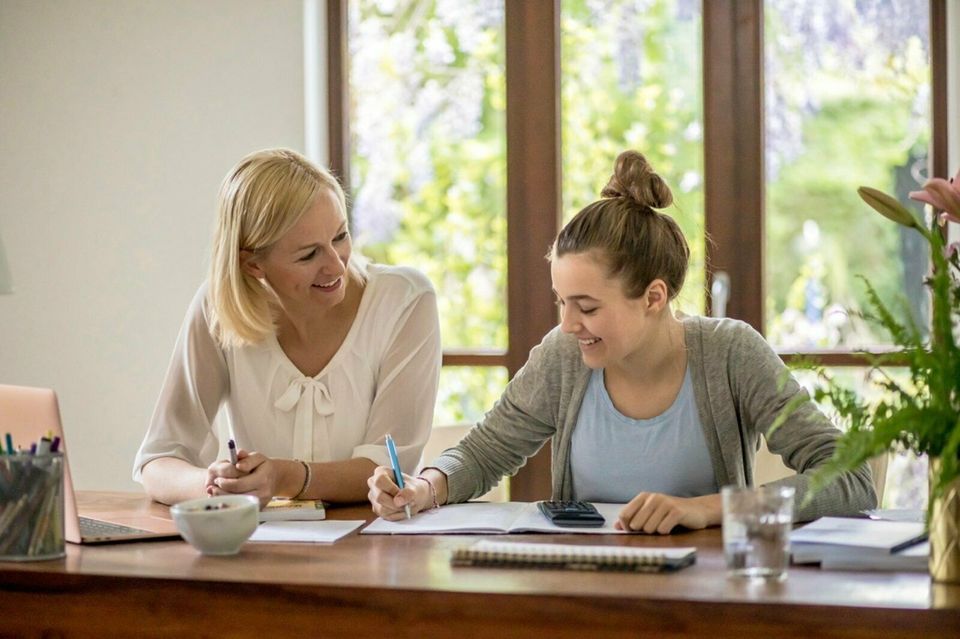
[
  {"x": 311, "y": 532},
  {"x": 453, "y": 518}
]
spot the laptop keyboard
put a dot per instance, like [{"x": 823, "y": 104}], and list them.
[{"x": 96, "y": 529}]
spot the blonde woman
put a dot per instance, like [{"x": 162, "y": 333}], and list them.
[
  {"x": 313, "y": 357},
  {"x": 644, "y": 407}
]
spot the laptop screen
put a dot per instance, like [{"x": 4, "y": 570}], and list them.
[{"x": 28, "y": 414}]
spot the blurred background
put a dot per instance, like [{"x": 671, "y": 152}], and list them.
[{"x": 119, "y": 118}]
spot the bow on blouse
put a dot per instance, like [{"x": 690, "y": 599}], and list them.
[{"x": 310, "y": 397}]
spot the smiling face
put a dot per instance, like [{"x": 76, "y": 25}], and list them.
[
  {"x": 609, "y": 326},
  {"x": 307, "y": 266}
]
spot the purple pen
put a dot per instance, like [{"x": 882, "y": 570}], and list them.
[
  {"x": 232, "y": 447},
  {"x": 55, "y": 444}
]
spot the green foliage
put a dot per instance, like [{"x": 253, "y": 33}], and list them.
[
  {"x": 844, "y": 108},
  {"x": 429, "y": 169},
  {"x": 443, "y": 159},
  {"x": 922, "y": 416},
  {"x": 814, "y": 189},
  {"x": 649, "y": 101}
]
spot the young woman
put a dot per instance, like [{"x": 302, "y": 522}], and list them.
[
  {"x": 643, "y": 407},
  {"x": 314, "y": 357}
]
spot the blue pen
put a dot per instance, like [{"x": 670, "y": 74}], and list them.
[
  {"x": 10, "y": 448},
  {"x": 232, "y": 447},
  {"x": 397, "y": 473}
]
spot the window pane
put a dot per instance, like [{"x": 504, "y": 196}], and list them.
[
  {"x": 467, "y": 393},
  {"x": 631, "y": 79},
  {"x": 847, "y": 94},
  {"x": 906, "y": 483},
  {"x": 428, "y": 165}
]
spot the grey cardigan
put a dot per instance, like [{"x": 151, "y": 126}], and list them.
[{"x": 736, "y": 381}]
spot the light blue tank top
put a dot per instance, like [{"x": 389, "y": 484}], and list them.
[{"x": 615, "y": 457}]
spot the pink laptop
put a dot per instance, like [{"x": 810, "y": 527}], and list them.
[{"x": 31, "y": 413}]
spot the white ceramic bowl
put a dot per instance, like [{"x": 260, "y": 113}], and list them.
[{"x": 217, "y": 525}]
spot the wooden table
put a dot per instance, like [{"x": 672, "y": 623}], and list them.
[{"x": 404, "y": 586}]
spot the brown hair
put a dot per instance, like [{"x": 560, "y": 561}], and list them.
[{"x": 637, "y": 243}]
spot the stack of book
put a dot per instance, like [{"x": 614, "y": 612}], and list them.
[
  {"x": 840, "y": 543},
  {"x": 278, "y": 509}
]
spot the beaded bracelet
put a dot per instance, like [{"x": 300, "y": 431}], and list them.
[
  {"x": 306, "y": 479},
  {"x": 433, "y": 491}
]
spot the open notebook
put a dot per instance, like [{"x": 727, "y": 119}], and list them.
[
  {"x": 508, "y": 554},
  {"x": 485, "y": 518}
]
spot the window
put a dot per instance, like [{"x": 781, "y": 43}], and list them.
[
  {"x": 753, "y": 131},
  {"x": 428, "y": 169},
  {"x": 630, "y": 77},
  {"x": 848, "y": 104}
]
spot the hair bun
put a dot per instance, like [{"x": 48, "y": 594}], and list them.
[{"x": 633, "y": 178}]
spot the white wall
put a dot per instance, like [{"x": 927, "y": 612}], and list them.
[{"x": 118, "y": 119}]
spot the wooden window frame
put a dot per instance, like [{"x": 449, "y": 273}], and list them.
[{"x": 734, "y": 179}]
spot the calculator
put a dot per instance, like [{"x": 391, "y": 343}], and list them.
[{"x": 575, "y": 514}]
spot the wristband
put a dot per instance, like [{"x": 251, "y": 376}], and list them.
[
  {"x": 306, "y": 479},
  {"x": 433, "y": 491}
]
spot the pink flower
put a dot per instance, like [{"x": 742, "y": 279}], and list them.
[
  {"x": 951, "y": 250},
  {"x": 943, "y": 195},
  {"x": 947, "y": 217}
]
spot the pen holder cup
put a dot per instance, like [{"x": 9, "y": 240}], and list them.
[{"x": 31, "y": 507}]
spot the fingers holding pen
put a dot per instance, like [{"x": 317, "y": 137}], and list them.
[
  {"x": 386, "y": 498},
  {"x": 222, "y": 468},
  {"x": 382, "y": 491},
  {"x": 248, "y": 462},
  {"x": 253, "y": 474}
]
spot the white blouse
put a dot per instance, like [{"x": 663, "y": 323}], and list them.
[{"x": 382, "y": 380}]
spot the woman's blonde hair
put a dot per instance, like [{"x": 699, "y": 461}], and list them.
[
  {"x": 636, "y": 242},
  {"x": 260, "y": 199}
]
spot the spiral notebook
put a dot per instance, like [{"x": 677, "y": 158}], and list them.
[{"x": 509, "y": 554}]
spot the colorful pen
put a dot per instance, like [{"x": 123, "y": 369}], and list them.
[
  {"x": 232, "y": 447},
  {"x": 397, "y": 473}
]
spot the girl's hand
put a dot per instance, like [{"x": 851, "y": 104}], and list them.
[
  {"x": 658, "y": 513},
  {"x": 388, "y": 500}
]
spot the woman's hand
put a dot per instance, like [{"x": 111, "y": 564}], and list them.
[
  {"x": 388, "y": 500},
  {"x": 220, "y": 468},
  {"x": 254, "y": 474},
  {"x": 658, "y": 513}
]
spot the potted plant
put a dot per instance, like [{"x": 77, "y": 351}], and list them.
[{"x": 923, "y": 414}]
